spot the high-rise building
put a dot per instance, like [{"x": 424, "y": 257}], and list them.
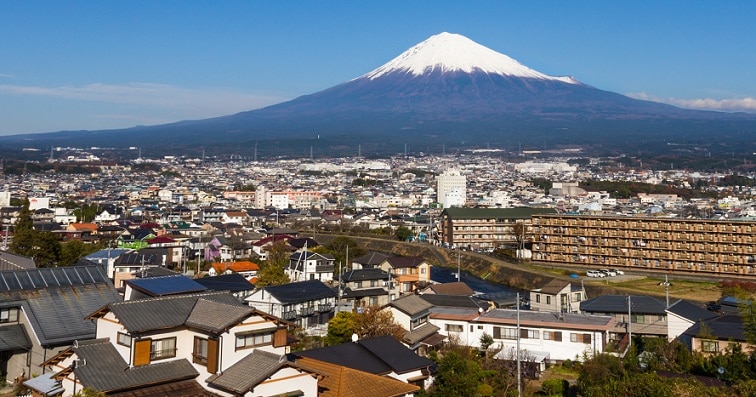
[{"x": 452, "y": 188}]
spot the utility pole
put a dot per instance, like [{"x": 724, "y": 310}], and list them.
[{"x": 519, "y": 365}]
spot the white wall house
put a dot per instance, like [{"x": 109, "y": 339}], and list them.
[
  {"x": 209, "y": 333},
  {"x": 561, "y": 336}
]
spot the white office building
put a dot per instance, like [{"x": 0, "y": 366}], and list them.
[{"x": 452, "y": 188}]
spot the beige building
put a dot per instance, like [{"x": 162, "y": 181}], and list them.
[
  {"x": 484, "y": 228},
  {"x": 713, "y": 246}
]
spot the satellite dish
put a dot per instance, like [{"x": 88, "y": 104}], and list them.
[{"x": 355, "y": 337}]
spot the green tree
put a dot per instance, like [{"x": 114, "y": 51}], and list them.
[
  {"x": 458, "y": 374},
  {"x": 23, "y": 232},
  {"x": 402, "y": 233},
  {"x": 73, "y": 250},
  {"x": 272, "y": 270},
  {"x": 46, "y": 250},
  {"x": 338, "y": 248},
  {"x": 340, "y": 328}
]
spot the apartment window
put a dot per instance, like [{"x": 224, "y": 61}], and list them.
[
  {"x": 710, "y": 346},
  {"x": 252, "y": 339},
  {"x": 538, "y": 298},
  {"x": 556, "y": 336},
  {"x": 373, "y": 301},
  {"x": 505, "y": 333},
  {"x": 200, "y": 351},
  {"x": 163, "y": 348},
  {"x": 577, "y": 297},
  {"x": 453, "y": 328},
  {"x": 124, "y": 339},
  {"x": 580, "y": 338},
  {"x": 9, "y": 315},
  {"x": 530, "y": 334},
  {"x": 548, "y": 300},
  {"x": 638, "y": 318}
]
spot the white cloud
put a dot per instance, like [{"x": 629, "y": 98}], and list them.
[
  {"x": 725, "y": 105},
  {"x": 196, "y": 102},
  {"x": 7, "y": 76}
]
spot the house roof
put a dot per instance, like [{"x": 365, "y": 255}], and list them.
[
  {"x": 213, "y": 312},
  {"x": 103, "y": 369},
  {"x": 166, "y": 285},
  {"x": 349, "y": 293},
  {"x": 248, "y": 372},
  {"x": 342, "y": 381},
  {"x": 139, "y": 258},
  {"x": 57, "y": 300},
  {"x": 238, "y": 266},
  {"x": 690, "y": 311},
  {"x": 186, "y": 388},
  {"x": 411, "y": 304},
  {"x": 371, "y": 259},
  {"x": 726, "y": 327},
  {"x": 488, "y": 213},
  {"x": 453, "y": 288},
  {"x": 420, "y": 334},
  {"x": 13, "y": 337},
  {"x": 546, "y": 319},
  {"x": 365, "y": 274},
  {"x": 303, "y": 291},
  {"x": 226, "y": 282},
  {"x": 405, "y": 261},
  {"x": 553, "y": 287},
  {"x": 10, "y": 261},
  {"x": 639, "y": 304},
  {"x": 380, "y": 355},
  {"x": 455, "y": 301},
  {"x": 302, "y": 241}
]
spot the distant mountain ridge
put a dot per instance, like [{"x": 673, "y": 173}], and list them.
[{"x": 445, "y": 90}]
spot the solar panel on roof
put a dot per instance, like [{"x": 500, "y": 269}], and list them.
[
  {"x": 12, "y": 281},
  {"x": 48, "y": 276},
  {"x": 37, "y": 279}
]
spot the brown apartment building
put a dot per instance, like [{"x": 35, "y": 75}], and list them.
[{"x": 726, "y": 247}]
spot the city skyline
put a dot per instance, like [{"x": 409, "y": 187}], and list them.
[{"x": 86, "y": 65}]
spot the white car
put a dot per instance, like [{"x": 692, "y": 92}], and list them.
[
  {"x": 608, "y": 272},
  {"x": 594, "y": 273}
]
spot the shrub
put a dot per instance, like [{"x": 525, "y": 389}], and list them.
[{"x": 555, "y": 387}]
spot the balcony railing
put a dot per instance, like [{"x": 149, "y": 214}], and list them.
[
  {"x": 290, "y": 315},
  {"x": 326, "y": 307},
  {"x": 306, "y": 311}
]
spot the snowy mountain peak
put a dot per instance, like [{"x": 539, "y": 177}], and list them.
[{"x": 449, "y": 52}]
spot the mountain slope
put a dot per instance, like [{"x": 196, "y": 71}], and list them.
[{"x": 447, "y": 89}]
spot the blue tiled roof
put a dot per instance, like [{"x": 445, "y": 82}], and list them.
[{"x": 167, "y": 285}]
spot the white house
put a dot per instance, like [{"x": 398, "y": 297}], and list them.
[
  {"x": 207, "y": 336},
  {"x": 310, "y": 266},
  {"x": 307, "y": 303},
  {"x": 562, "y": 336}
]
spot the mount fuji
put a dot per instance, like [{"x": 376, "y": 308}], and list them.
[{"x": 446, "y": 90}]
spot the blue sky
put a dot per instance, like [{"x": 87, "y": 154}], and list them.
[{"x": 112, "y": 64}]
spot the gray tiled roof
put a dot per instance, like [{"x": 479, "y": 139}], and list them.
[
  {"x": 103, "y": 369},
  {"x": 546, "y": 317},
  {"x": 216, "y": 316},
  {"x": 174, "y": 311},
  {"x": 411, "y": 304},
  {"x": 690, "y": 311},
  {"x": 13, "y": 337},
  {"x": 57, "y": 300},
  {"x": 639, "y": 304},
  {"x": 10, "y": 261},
  {"x": 488, "y": 213},
  {"x": 726, "y": 327},
  {"x": 248, "y": 372},
  {"x": 420, "y": 333},
  {"x": 371, "y": 259}
]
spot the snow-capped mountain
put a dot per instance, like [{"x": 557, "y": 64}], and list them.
[
  {"x": 443, "y": 91},
  {"x": 449, "y": 52}
]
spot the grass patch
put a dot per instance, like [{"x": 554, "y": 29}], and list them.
[{"x": 702, "y": 291}]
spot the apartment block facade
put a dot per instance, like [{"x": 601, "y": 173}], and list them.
[
  {"x": 483, "y": 228},
  {"x": 726, "y": 247}
]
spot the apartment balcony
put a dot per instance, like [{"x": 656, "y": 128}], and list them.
[
  {"x": 289, "y": 315},
  {"x": 325, "y": 307},
  {"x": 306, "y": 311}
]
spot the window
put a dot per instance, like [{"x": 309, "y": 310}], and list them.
[
  {"x": 580, "y": 338},
  {"x": 247, "y": 340},
  {"x": 453, "y": 328},
  {"x": 556, "y": 336},
  {"x": 548, "y": 300},
  {"x": 529, "y": 334},
  {"x": 538, "y": 298},
  {"x": 638, "y": 318},
  {"x": 710, "y": 346},
  {"x": 163, "y": 348},
  {"x": 199, "y": 355},
  {"x": 505, "y": 333},
  {"x": 124, "y": 339},
  {"x": 9, "y": 315}
]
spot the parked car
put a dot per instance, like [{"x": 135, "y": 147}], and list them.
[
  {"x": 594, "y": 273},
  {"x": 608, "y": 272}
]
